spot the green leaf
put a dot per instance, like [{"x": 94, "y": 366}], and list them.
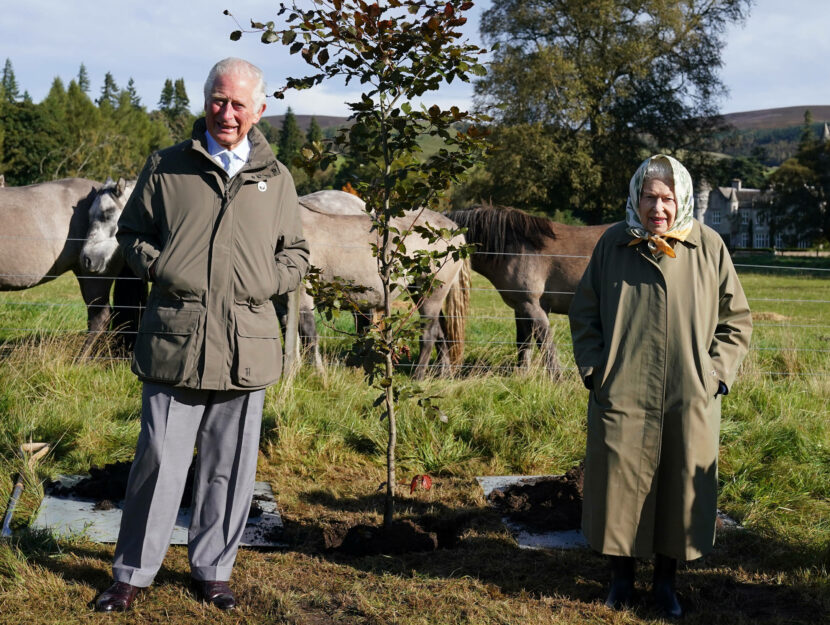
[
  {"x": 269, "y": 36},
  {"x": 236, "y": 35}
]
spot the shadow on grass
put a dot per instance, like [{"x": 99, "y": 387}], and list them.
[{"x": 739, "y": 581}]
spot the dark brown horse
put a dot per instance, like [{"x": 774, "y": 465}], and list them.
[{"x": 534, "y": 263}]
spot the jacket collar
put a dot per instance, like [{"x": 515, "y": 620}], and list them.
[
  {"x": 621, "y": 237},
  {"x": 261, "y": 163}
]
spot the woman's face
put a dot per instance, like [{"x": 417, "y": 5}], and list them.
[{"x": 658, "y": 206}]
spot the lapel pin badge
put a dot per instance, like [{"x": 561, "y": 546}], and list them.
[{"x": 262, "y": 186}]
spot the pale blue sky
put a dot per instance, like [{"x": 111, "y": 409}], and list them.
[{"x": 777, "y": 59}]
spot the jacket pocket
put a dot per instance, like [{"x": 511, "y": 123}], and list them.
[
  {"x": 258, "y": 353},
  {"x": 165, "y": 348},
  {"x": 711, "y": 381}
]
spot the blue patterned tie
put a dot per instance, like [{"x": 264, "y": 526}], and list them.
[{"x": 225, "y": 157}]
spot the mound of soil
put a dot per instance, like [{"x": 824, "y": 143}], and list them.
[
  {"x": 543, "y": 504},
  {"x": 425, "y": 533},
  {"x": 108, "y": 484}
]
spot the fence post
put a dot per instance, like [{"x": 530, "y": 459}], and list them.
[{"x": 291, "y": 359}]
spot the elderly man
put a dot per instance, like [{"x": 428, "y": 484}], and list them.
[{"x": 214, "y": 224}]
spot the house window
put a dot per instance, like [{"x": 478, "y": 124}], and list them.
[
  {"x": 745, "y": 218},
  {"x": 761, "y": 239},
  {"x": 743, "y": 239},
  {"x": 803, "y": 243},
  {"x": 715, "y": 218},
  {"x": 779, "y": 240}
]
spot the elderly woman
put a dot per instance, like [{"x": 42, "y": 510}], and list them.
[{"x": 660, "y": 324}]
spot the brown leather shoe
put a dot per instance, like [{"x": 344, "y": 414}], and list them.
[
  {"x": 217, "y": 593},
  {"x": 117, "y": 598}
]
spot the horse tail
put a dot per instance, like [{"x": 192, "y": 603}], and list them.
[{"x": 456, "y": 307}]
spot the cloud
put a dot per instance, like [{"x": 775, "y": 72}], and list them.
[{"x": 776, "y": 59}]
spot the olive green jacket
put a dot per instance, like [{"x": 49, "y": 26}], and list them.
[
  {"x": 652, "y": 339},
  {"x": 222, "y": 248}
]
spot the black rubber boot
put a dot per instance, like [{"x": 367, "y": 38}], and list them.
[
  {"x": 665, "y": 596},
  {"x": 621, "y": 592}
]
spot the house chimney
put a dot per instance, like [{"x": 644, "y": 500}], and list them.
[{"x": 736, "y": 184}]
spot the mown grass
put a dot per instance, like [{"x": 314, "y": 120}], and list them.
[{"x": 323, "y": 450}]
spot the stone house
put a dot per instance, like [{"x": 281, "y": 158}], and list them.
[{"x": 735, "y": 212}]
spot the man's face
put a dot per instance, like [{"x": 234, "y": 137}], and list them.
[
  {"x": 658, "y": 206},
  {"x": 229, "y": 111}
]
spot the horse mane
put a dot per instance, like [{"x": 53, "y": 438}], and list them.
[{"x": 497, "y": 229}]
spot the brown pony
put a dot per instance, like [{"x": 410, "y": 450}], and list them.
[{"x": 534, "y": 263}]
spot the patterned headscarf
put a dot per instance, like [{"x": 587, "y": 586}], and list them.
[{"x": 684, "y": 198}]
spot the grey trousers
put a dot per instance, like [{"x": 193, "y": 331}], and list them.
[{"x": 224, "y": 427}]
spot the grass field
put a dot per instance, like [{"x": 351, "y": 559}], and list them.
[{"x": 322, "y": 450}]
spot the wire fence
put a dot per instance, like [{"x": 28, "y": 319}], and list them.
[{"x": 498, "y": 326}]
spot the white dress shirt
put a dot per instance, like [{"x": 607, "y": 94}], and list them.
[{"x": 230, "y": 160}]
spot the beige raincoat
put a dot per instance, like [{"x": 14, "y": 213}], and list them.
[{"x": 653, "y": 337}]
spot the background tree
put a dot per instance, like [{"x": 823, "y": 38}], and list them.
[
  {"x": 83, "y": 79},
  {"x": 585, "y": 90},
  {"x": 798, "y": 193},
  {"x": 11, "y": 92},
  {"x": 314, "y": 132},
  {"x": 291, "y": 138},
  {"x": 30, "y": 143},
  {"x": 135, "y": 100},
  {"x": 399, "y": 50},
  {"x": 748, "y": 169},
  {"x": 67, "y": 135},
  {"x": 174, "y": 107},
  {"x": 181, "y": 102},
  {"x": 271, "y": 134},
  {"x": 165, "y": 102},
  {"x": 109, "y": 92}
]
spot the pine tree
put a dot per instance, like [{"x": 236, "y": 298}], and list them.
[
  {"x": 291, "y": 138},
  {"x": 11, "y": 92},
  {"x": 54, "y": 104},
  {"x": 83, "y": 79},
  {"x": 315, "y": 133},
  {"x": 166, "y": 98},
  {"x": 135, "y": 100},
  {"x": 808, "y": 139},
  {"x": 109, "y": 92},
  {"x": 181, "y": 103}
]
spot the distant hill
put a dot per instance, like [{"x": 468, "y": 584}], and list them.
[
  {"x": 747, "y": 120},
  {"x": 769, "y": 134},
  {"x": 773, "y": 131},
  {"x": 304, "y": 121},
  {"x": 767, "y": 119}
]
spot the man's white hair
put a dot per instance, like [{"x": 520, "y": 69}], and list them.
[{"x": 233, "y": 65}]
